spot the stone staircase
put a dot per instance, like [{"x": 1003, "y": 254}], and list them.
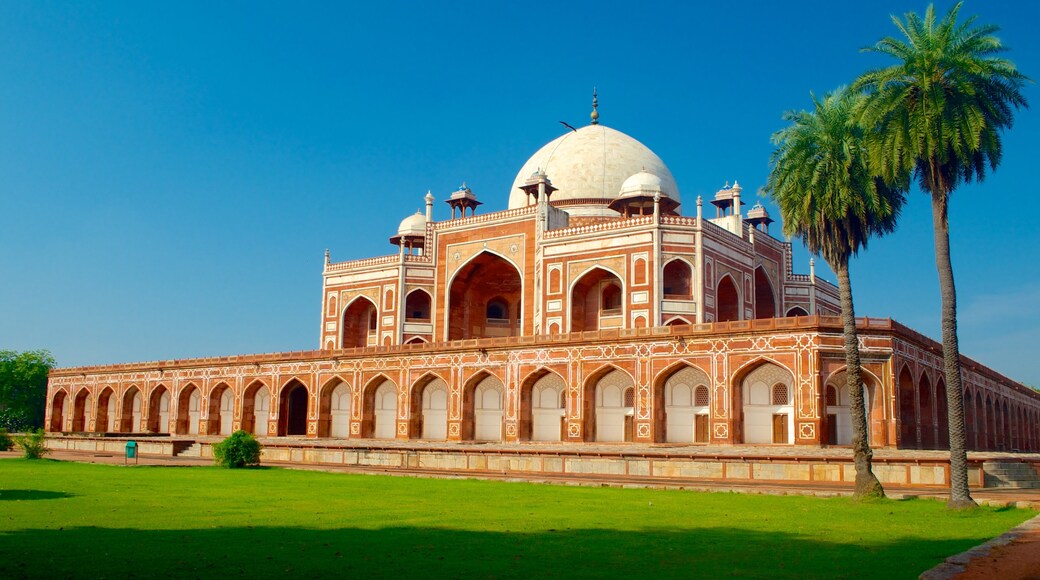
[
  {"x": 187, "y": 449},
  {"x": 1010, "y": 474}
]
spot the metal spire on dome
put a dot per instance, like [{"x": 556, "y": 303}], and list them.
[{"x": 595, "y": 105}]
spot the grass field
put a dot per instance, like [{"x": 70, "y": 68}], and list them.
[{"x": 62, "y": 520}]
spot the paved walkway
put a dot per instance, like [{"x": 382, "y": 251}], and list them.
[{"x": 1014, "y": 555}]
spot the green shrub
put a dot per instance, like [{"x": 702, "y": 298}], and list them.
[
  {"x": 33, "y": 444},
  {"x": 240, "y": 449},
  {"x": 5, "y": 441}
]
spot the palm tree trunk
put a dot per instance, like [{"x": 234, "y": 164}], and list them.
[
  {"x": 867, "y": 484},
  {"x": 959, "y": 494}
]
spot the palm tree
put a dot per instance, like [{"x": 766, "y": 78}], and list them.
[
  {"x": 937, "y": 115},
  {"x": 828, "y": 196}
]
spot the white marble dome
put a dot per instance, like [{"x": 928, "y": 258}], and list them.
[
  {"x": 643, "y": 182},
  {"x": 591, "y": 163},
  {"x": 413, "y": 225}
]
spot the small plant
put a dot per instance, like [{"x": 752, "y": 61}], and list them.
[
  {"x": 240, "y": 449},
  {"x": 33, "y": 444},
  {"x": 6, "y": 443}
]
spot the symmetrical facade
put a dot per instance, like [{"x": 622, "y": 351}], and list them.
[{"x": 591, "y": 309}]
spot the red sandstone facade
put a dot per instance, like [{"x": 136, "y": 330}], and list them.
[{"x": 572, "y": 316}]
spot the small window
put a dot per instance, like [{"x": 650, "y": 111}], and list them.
[
  {"x": 630, "y": 397},
  {"x": 611, "y": 297},
  {"x": 832, "y": 396},
  {"x": 701, "y": 397},
  {"x": 497, "y": 310},
  {"x": 780, "y": 396},
  {"x": 372, "y": 320}
]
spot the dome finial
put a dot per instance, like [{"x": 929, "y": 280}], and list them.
[{"x": 595, "y": 105}]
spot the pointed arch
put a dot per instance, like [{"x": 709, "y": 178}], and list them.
[
  {"x": 484, "y": 277},
  {"x": 58, "y": 400},
  {"x": 682, "y": 404},
  {"x": 429, "y": 407},
  {"x": 727, "y": 299},
  {"x": 766, "y": 399},
  {"x": 359, "y": 323},
  {"x": 220, "y": 406},
  {"x": 189, "y": 410},
  {"x": 256, "y": 408},
  {"x": 82, "y": 409},
  {"x": 159, "y": 409},
  {"x": 379, "y": 403},
  {"x": 597, "y": 300},
  {"x": 543, "y": 397},
  {"x": 334, "y": 408},
  {"x": 907, "y": 410},
  {"x": 293, "y": 408},
  {"x": 418, "y": 306},
  {"x": 677, "y": 278},
  {"x": 483, "y": 406},
  {"x": 106, "y": 411},
  {"x": 765, "y": 295},
  {"x": 606, "y": 416},
  {"x": 796, "y": 311},
  {"x": 130, "y": 410}
]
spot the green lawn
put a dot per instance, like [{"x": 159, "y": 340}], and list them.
[{"x": 62, "y": 519}]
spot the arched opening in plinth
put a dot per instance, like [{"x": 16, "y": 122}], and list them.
[
  {"x": 727, "y": 300},
  {"x": 609, "y": 406},
  {"x": 57, "y": 423},
  {"x": 130, "y": 411},
  {"x": 682, "y": 405},
  {"x": 796, "y": 311},
  {"x": 838, "y": 429},
  {"x": 159, "y": 410},
  {"x": 767, "y": 393},
  {"x": 360, "y": 324},
  {"x": 292, "y": 409},
  {"x": 484, "y": 299},
  {"x": 430, "y": 408},
  {"x": 991, "y": 425},
  {"x": 596, "y": 301},
  {"x": 417, "y": 306},
  {"x": 1005, "y": 427},
  {"x": 907, "y": 411},
  {"x": 256, "y": 409},
  {"x": 106, "y": 413},
  {"x": 483, "y": 408},
  {"x": 379, "y": 409},
  {"x": 543, "y": 403},
  {"x": 942, "y": 415},
  {"x": 926, "y": 413},
  {"x": 189, "y": 410},
  {"x": 221, "y": 410},
  {"x": 81, "y": 411},
  {"x": 765, "y": 297},
  {"x": 334, "y": 407}
]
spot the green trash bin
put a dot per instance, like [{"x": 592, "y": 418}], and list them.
[{"x": 131, "y": 451}]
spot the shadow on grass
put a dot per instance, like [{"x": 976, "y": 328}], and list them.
[
  {"x": 434, "y": 552},
  {"x": 30, "y": 494}
]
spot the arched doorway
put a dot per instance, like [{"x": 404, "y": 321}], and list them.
[
  {"x": 340, "y": 399},
  {"x": 57, "y": 423},
  {"x": 768, "y": 395},
  {"x": 678, "y": 280},
  {"x": 483, "y": 404},
  {"x": 189, "y": 409},
  {"x": 292, "y": 409},
  {"x": 159, "y": 410},
  {"x": 256, "y": 410},
  {"x": 130, "y": 420},
  {"x": 765, "y": 298},
  {"x": 927, "y": 413},
  {"x": 360, "y": 324},
  {"x": 430, "y": 408},
  {"x": 379, "y": 409},
  {"x": 796, "y": 311},
  {"x": 81, "y": 411},
  {"x": 484, "y": 299},
  {"x": 596, "y": 301},
  {"x": 727, "y": 300},
  {"x": 907, "y": 414},
  {"x": 942, "y": 416},
  {"x": 544, "y": 401},
  {"x": 614, "y": 399},
  {"x": 106, "y": 414},
  {"x": 686, "y": 406},
  {"x": 417, "y": 306},
  {"x": 221, "y": 410}
]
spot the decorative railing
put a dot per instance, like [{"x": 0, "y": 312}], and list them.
[{"x": 617, "y": 224}]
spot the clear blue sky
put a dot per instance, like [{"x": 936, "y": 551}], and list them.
[{"x": 171, "y": 174}]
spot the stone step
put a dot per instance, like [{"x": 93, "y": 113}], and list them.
[{"x": 1010, "y": 474}]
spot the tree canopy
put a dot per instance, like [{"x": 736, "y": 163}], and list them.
[{"x": 23, "y": 388}]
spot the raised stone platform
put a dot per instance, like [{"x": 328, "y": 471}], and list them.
[{"x": 737, "y": 464}]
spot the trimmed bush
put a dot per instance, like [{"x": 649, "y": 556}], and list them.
[
  {"x": 33, "y": 444},
  {"x": 240, "y": 449},
  {"x": 6, "y": 443}
]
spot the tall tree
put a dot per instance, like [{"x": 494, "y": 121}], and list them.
[
  {"x": 828, "y": 197},
  {"x": 23, "y": 388},
  {"x": 936, "y": 115}
]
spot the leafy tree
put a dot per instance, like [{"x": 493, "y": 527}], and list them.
[
  {"x": 240, "y": 449},
  {"x": 936, "y": 115},
  {"x": 829, "y": 198},
  {"x": 34, "y": 444},
  {"x": 23, "y": 388}
]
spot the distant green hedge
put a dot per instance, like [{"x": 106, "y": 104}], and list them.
[{"x": 240, "y": 449}]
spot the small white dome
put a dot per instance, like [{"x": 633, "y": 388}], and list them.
[
  {"x": 643, "y": 182},
  {"x": 413, "y": 225}
]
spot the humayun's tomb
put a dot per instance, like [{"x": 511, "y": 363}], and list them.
[{"x": 598, "y": 307}]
